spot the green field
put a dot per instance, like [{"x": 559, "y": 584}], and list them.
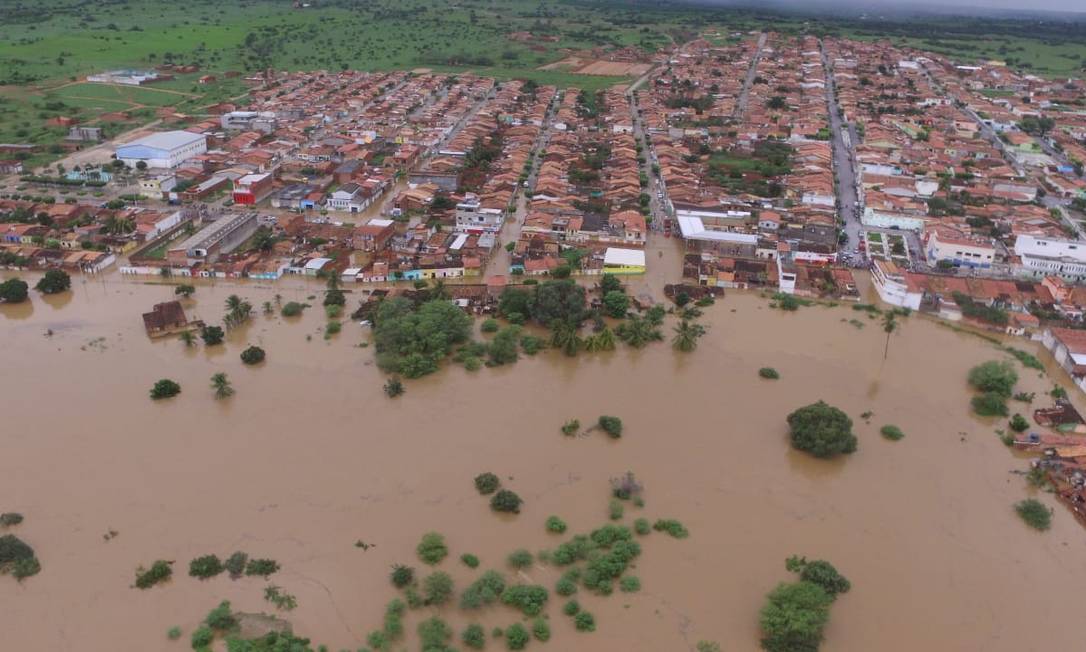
[{"x": 46, "y": 46}]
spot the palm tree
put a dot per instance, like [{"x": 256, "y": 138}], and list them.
[
  {"x": 221, "y": 384},
  {"x": 239, "y": 310},
  {"x": 439, "y": 291},
  {"x": 189, "y": 338},
  {"x": 116, "y": 225},
  {"x": 889, "y": 325},
  {"x": 564, "y": 336},
  {"x": 686, "y": 336}
]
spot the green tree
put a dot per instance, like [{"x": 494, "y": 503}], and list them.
[
  {"x": 610, "y": 283},
  {"x": 221, "y": 384},
  {"x": 994, "y": 376},
  {"x": 432, "y": 548},
  {"x": 794, "y": 617},
  {"x": 564, "y": 336},
  {"x": 616, "y": 303},
  {"x": 821, "y": 430},
  {"x": 514, "y": 301},
  {"x": 819, "y": 572},
  {"x": 506, "y": 501},
  {"x": 558, "y": 300},
  {"x": 54, "y": 282},
  {"x": 437, "y": 588},
  {"x": 412, "y": 341},
  {"x": 13, "y": 290},
  {"x": 184, "y": 290},
  {"x": 687, "y": 335},
  {"x": 638, "y": 332}
]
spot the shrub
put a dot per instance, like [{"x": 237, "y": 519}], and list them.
[
  {"x": 531, "y": 344},
  {"x": 570, "y": 428},
  {"x": 672, "y": 527},
  {"x": 555, "y": 525},
  {"x": 490, "y": 326},
  {"x": 541, "y": 630},
  {"x": 474, "y": 636},
  {"x": 506, "y": 501},
  {"x": 470, "y": 560},
  {"x": 432, "y": 548},
  {"x": 437, "y": 588},
  {"x": 484, "y": 591},
  {"x": 611, "y": 425},
  {"x": 584, "y": 622},
  {"x": 160, "y": 571},
  {"x": 293, "y": 309},
  {"x": 615, "y": 510},
  {"x": 989, "y": 404},
  {"x": 12, "y": 549},
  {"x": 520, "y": 559},
  {"x": 641, "y": 526},
  {"x": 794, "y": 616},
  {"x": 1018, "y": 423},
  {"x": 205, "y": 567},
  {"x": 891, "y": 432},
  {"x": 333, "y": 311},
  {"x": 992, "y": 376},
  {"x": 173, "y": 633},
  {"x": 629, "y": 584},
  {"x": 261, "y": 567},
  {"x": 1034, "y": 513},
  {"x": 331, "y": 328},
  {"x": 529, "y": 598},
  {"x": 434, "y": 633},
  {"x": 252, "y": 355},
  {"x": 516, "y": 637},
  {"x": 571, "y": 608},
  {"x": 821, "y": 430},
  {"x": 165, "y": 388},
  {"x": 8, "y": 519},
  {"x": 220, "y": 618},
  {"x": 235, "y": 564},
  {"x": 707, "y": 646},
  {"x": 201, "y": 638},
  {"x": 565, "y": 587},
  {"x": 769, "y": 372},
  {"x": 487, "y": 483}
]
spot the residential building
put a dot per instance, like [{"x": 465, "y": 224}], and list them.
[
  {"x": 253, "y": 188},
  {"x": 1044, "y": 256}
]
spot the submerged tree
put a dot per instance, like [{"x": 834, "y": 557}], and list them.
[
  {"x": 889, "y": 325},
  {"x": 687, "y": 335},
  {"x": 221, "y": 384}
]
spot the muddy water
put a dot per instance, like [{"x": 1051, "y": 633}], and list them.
[{"x": 310, "y": 456}]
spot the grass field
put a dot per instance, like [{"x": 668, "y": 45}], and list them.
[{"x": 46, "y": 46}]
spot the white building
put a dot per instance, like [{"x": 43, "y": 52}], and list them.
[
  {"x": 1045, "y": 256},
  {"x": 888, "y": 220},
  {"x": 890, "y": 283},
  {"x": 943, "y": 245},
  {"x": 165, "y": 149},
  {"x": 473, "y": 218}
]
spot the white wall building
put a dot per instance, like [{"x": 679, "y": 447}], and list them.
[
  {"x": 1045, "y": 256},
  {"x": 165, "y": 149}
]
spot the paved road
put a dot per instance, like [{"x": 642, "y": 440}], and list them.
[
  {"x": 844, "y": 161},
  {"x": 752, "y": 72}
]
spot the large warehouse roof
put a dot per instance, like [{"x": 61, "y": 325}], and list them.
[{"x": 165, "y": 140}]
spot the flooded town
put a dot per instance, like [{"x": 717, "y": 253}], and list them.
[{"x": 769, "y": 296}]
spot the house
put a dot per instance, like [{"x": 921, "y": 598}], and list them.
[
  {"x": 165, "y": 319},
  {"x": 374, "y": 236},
  {"x": 349, "y": 197},
  {"x": 1068, "y": 347},
  {"x": 253, "y": 188},
  {"x": 11, "y": 166},
  {"x": 155, "y": 187}
]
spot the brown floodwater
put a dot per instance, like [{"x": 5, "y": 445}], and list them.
[{"x": 310, "y": 456}]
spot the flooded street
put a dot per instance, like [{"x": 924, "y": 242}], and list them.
[{"x": 310, "y": 457}]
